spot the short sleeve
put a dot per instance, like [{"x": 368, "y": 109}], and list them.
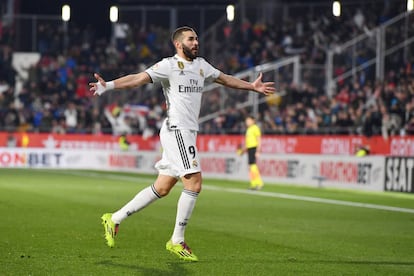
[
  {"x": 211, "y": 73},
  {"x": 159, "y": 71}
]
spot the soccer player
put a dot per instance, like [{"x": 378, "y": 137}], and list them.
[
  {"x": 182, "y": 77},
  {"x": 252, "y": 147}
]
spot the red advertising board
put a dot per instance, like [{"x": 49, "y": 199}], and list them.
[
  {"x": 337, "y": 145},
  {"x": 76, "y": 141}
]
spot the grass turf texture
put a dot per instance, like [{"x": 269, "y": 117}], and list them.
[{"x": 50, "y": 225}]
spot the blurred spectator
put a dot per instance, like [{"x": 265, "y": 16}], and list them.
[
  {"x": 123, "y": 142},
  {"x": 46, "y": 119},
  {"x": 11, "y": 141},
  {"x": 11, "y": 118},
  {"x": 119, "y": 122},
  {"x": 7, "y": 72},
  {"x": 343, "y": 122},
  {"x": 372, "y": 122},
  {"x": 71, "y": 117},
  {"x": 362, "y": 150}
]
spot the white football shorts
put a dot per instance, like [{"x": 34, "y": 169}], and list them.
[{"x": 179, "y": 152}]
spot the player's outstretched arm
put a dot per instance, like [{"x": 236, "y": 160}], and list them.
[
  {"x": 258, "y": 85},
  {"x": 129, "y": 81}
]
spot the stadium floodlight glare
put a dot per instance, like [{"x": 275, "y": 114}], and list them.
[
  {"x": 336, "y": 8},
  {"x": 410, "y": 5},
  {"x": 230, "y": 13},
  {"x": 113, "y": 14},
  {"x": 65, "y": 13}
]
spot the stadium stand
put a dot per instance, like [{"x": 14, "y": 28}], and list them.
[{"x": 55, "y": 97}]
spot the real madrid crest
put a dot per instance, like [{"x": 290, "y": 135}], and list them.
[
  {"x": 180, "y": 65},
  {"x": 202, "y": 73}
]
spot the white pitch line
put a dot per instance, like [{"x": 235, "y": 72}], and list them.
[
  {"x": 260, "y": 193},
  {"x": 313, "y": 199}
]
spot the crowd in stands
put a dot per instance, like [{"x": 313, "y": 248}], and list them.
[{"x": 55, "y": 96}]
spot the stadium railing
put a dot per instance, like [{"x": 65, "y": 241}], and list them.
[
  {"x": 383, "y": 49},
  {"x": 287, "y": 70}
]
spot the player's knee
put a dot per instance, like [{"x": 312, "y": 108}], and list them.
[
  {"x": 192, "y": 182},
  {"x": 194, "y": 186},
  {"x": 162, "y": 191}
]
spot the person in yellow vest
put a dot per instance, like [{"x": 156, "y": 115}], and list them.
[
  {"x": 25, "y": 140},
  {"x": 252, "y": 147},
  {"x": 123, "y": 142},
  {"x": 362, "y": 151}
]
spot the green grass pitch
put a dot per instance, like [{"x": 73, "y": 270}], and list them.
[{"x": 50, "y": 225}]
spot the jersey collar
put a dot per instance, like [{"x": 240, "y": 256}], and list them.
[{"x": 182, "y": 59}]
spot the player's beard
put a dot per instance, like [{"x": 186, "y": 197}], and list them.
[{"x": 188, "y": 53}]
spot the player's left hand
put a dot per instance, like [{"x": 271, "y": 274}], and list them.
[{"x": 266, "y": 88}]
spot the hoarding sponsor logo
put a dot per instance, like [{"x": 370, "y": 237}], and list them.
[
  {"x": 402, "y": 147},
  {"x": 50, "y": 142},
  {"x": 281, "y": 168},
  {"x": 232, "y": 165},
  {"x": 220, "y": 165},
  {"x": 377, "y": 174},
  {"x": 106, "y": 145},
  {"x": 399, "y": 174},
  {"x": 213, "y": 164},
  {"x": 221, "y": 145},
  {"x": 126, "y": 161},
  {"x": 339, "y": 145},
  {"x": 275, "y": 145},
  {"x": 31, "y": 159},
  {"x": 347, "y": 172}
]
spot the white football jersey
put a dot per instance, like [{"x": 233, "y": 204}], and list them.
[{"x": 183, "y": 82}]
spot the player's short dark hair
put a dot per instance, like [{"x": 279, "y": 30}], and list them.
[
  {"x": 179, "y": 31},
  {"x": 250, "y": 117}
]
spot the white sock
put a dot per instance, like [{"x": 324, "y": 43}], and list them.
[
  {"x": 144, "y": 198},
  {"x": 185, "y": 208}
]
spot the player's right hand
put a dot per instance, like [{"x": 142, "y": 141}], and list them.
[{"x": 99, "y": 87}]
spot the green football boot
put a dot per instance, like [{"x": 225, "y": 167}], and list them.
[
  {"x": 110, "y": 229},
  {"x": 182, "y": 251}
]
